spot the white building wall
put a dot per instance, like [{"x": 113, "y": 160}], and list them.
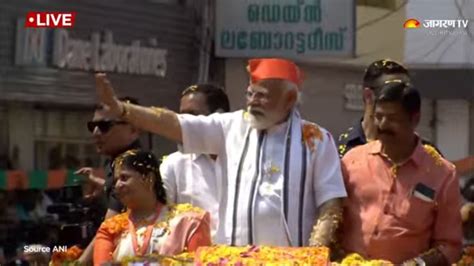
[
  {"x": 452, "y": 128},
  {"x": 441, "y": 48}
]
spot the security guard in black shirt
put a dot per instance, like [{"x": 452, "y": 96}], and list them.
[
  {"x": 355, "y": 136},
  {"x": 112, "y": 137},
  {"x": 377, "y": 74}
]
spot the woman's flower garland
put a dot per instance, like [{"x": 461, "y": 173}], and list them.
[{"x": 66, "y": 258}]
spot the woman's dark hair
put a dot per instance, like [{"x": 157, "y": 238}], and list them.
[
  {"x": 145, "y": 163},
  {"x": 403, "y": 93},
  {"x": 216, "y": 98}
]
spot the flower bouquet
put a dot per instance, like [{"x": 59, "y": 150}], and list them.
[{"x": 261, "y": 255}]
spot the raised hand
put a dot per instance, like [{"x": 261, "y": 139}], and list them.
[
  {"x": 93, "y": 185},
  {"x": 107, "y": 96},
  {"x": 368, "y": 123}
]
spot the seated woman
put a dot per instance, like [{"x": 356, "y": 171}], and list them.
[{"x": 148, "y": 226}]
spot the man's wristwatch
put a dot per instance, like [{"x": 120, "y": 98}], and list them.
[{"x": 419, "y": 261}]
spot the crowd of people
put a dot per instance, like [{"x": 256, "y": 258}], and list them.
[{"x": 266, "y": 176}]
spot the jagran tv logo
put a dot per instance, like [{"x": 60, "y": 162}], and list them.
[{"x": 436, "y": 23}]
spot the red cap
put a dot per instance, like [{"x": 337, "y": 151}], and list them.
[{"x": 274, "y": 68}]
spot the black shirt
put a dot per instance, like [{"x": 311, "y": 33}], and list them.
[
  {"x": 355, "y": 136},
  {"x": 112, "y": 202}
]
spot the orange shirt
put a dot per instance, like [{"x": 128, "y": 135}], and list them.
[{"x": 384, "y": 218}]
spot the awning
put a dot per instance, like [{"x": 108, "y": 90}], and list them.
[{"x": 52, "y": 179}]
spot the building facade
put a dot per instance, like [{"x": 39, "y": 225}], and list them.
[
  {"x": 149, "y": 49},
  {"x": 332, "y": 91}
]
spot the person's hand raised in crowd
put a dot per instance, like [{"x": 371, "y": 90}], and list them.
[
  {"x": 93, "y": 185},
  {"x": 465, "y": 166},
  {"x": 368, "y": 123},
  {"x": 107, "y": 95}
]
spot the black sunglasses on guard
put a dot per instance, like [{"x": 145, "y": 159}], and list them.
[
  {"x": 103, "y": 125},
  {"x": 385, "y": 66},
  {"x": 380, "y": 67}
]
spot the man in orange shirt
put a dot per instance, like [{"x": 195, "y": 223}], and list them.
[{"x": 403, "y": 197}]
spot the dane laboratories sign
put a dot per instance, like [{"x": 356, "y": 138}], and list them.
[
  {"x": 298, "y": 29},
  {"x": 106, "y": 55},
  {"x": 44, "y": 47}
]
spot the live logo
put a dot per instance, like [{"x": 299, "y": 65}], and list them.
[{"x": 50, "y": 19}]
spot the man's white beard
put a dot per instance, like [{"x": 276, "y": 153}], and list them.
[{"x": 259, "y": 122}]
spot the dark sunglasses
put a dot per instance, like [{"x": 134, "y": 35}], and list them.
[{"x": 103, "y": 125}]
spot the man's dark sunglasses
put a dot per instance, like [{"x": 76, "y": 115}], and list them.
[{"x": 103, "y": 125}]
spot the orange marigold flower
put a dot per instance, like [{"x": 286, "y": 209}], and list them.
[
  {"x": 73, "y": 253},
  {"x": 116, "y": 224},
  {"x": 468, "y": 257},
  {"x": 311, "y": 132},
  {"x": 185, "y": 207},
  {"x": 262, "y": 255},
  {"x": 469, "y": 250}
]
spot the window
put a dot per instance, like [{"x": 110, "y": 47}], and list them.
[
  {"x": 5, "y": 162},
  {"x": 62, "y": 140}
]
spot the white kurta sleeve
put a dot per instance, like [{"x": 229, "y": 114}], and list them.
[
  {"x": 327, "y": 174},
  {"x": 168, "y": 175},
  {"x": 202, "y": 134}
]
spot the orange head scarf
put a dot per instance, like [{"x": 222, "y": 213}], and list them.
[{"x": 274, "y": 68}]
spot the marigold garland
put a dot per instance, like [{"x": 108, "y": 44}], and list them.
[
  {"x": 311, "y": 132},
  {"x": 117, "y": 225},
  {"x": 467, "y": 258},
  {"x": 186, "y": 258},
  {"x": 356, "y": 259},
  {"x": 262, "y": 255},
  {"x": 186, "y": 207},
  {"x": 66, "y": 258}
]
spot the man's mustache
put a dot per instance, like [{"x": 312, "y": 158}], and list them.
[
  {"x": 385, "y": 132},
  {"x": 256, "y": 111}
]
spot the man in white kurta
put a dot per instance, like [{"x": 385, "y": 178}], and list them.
[
  {"x": 283, "y": 173},
  {"x": 195, "y": 178},
  {"x": 272, "y": 195}
]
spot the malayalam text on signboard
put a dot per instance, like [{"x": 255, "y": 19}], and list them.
[{"x": 287, "y": 28}]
